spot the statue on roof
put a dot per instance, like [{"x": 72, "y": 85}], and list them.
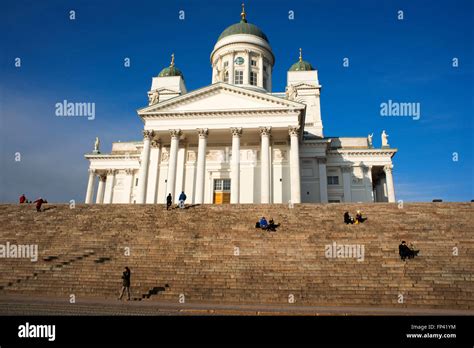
[
  {"x": 96, "y": 145},
  {"x": 153, "y": 97},
  {"x": 385, "y": 139},
  {"x": 369, "y": 141}
]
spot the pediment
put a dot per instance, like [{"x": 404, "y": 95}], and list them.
[{"x": 221, "y": 97}]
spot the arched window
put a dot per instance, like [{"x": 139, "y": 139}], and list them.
[{"x": 226, "y": 76}]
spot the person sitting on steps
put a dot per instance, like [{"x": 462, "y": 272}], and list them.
[
  {"x": 272, "y": 226},
  {"x": 348, "y": 219},
  {"x": 263, "y": 223},
  {"x": 406, "y": 252},
  {"x": 359, "y": 218}
]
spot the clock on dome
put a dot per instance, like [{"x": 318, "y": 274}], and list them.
[{"x": 239, "y": 61}]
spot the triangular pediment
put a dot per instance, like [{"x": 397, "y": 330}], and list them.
[{"x": 221, "y": 97}]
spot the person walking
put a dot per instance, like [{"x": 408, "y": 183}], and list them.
[
  {"x": 126, "y": 283},
  {"x": 39, "y": 202},
  {"x": 169, "y": 201},
  {"x": 182, "y": 198}
]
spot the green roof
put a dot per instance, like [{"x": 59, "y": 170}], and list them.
[
  {"x": 301, "y": 66},
  {"x": 243, "y": 28},
  {"x": 170, "y": 71}
]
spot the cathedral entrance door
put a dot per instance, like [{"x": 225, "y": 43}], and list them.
[{"x": 221, "y": 191}]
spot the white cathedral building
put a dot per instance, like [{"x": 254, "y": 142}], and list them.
[{"x": 236, "y": 141}]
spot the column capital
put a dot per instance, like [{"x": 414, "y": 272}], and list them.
[
  {"x": 129, "y": 171},
  {"x": 111, "y": 171},
  {"x": 346, "y": 169},
  {"x": 175, "y": 133},
  {"x": 148, "y": 134},
  {"x": 236, "y": 131},
  {"x": 388, "y": 168},
  {"x": 155, "y": 143},
  {"x": 102, "y": 176},
  {"x": 203, "y": 133},
  {"x": 92, "y": 171},
  {"x": 265, "y": 131},
  {"x": 294, "y": 130},
  {"x": 322, "y": 160}
]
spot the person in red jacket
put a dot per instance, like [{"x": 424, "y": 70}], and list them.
[
  {"x": 39, "y": 202},
  {"x": 22, "y": 198}
]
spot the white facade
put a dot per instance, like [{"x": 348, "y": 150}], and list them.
[{"x": 236, "y": 142}]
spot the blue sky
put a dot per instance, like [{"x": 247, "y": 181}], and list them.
[{"x": 407, "y": 60}]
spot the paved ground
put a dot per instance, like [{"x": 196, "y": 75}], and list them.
[{"x": 15, "y": 305}]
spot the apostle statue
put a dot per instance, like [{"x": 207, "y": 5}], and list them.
[
  {"x": 291, "y": 92},
  {"x": 96, "y": 145},
  {"x": 369, "y": 141},
  {"x": 385, "y": 139},
  {"x": 153, "y": 97}
]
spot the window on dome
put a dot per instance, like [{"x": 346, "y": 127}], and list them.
[
  {"x": 265, "y": 68},
  {"x": 253, "y": 78},
  {"x": 226, "y": 64},
  {"x": 264, "y": 82},
  {"x": 239, "y": 77},
  {"x": 254, "y": 62},
  {"x": 226, "y": 77}
]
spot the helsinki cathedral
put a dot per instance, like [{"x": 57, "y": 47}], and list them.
[{"x": 237, "y": 141}]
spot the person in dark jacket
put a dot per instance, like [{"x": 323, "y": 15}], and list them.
[
  {"x": 169, "y": 201},
  {"x": 182, "y": 198},
  {"x": 126, "y": 283},
  {"x": 406, "y": 252},
  {"x": 272, "y": 226},
  {"x": 39, "y": 202},
  {"x": 348, "y": 219}
]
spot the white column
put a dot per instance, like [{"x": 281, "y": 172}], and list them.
[
  {"x": 235, "y": 166},
  {"x": 368, "y": 183},
  {"x": 201, "y": 165},
  {"x": 143, "y": 173},
  {"x": 295, "y": 175},
  {"x": 153, "y": 171},
  {"x": 90, "y": 187},
  {"x": 101, "y": 189},
  {"x": 231, "y": 68},
  {"x": 323, "y": 180},
  {"x": 173, "y": 159},
  {"x": 346, "y": 179},
  {"x": 265, "y": 164},
  {"x": 128, "y": 185},
  {"x": 260, "y": 71},
  {"x": 109, "y": 186},
  {"x": 389, "y": 178},
  {"x": 247, "y": 68}
]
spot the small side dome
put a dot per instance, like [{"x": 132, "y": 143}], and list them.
[
  {"x": 171, "y": 70},
  {"x": 301, "y": 65}
]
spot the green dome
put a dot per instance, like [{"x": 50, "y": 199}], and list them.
[
  {"x": 170, "y": 71},
  {"x": 301, "y": 66},
  {"x": 243, "y": 28}
]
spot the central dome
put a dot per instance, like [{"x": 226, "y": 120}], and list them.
[{"x": 243, "y": 28}]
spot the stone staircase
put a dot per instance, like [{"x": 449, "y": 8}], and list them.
[{"x": 214, "y": 254}]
